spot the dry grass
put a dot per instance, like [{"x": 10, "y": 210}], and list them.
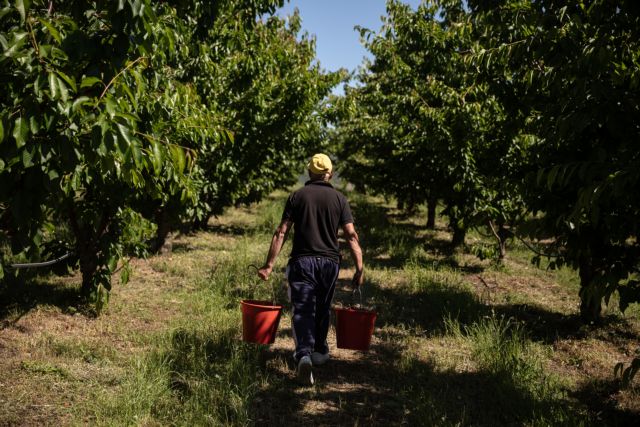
[{"x": 61, "y": 366}]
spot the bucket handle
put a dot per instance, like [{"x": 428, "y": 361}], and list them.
[
  {"x": 353, "y": 296},
  {"x": 273, "y": 288}
]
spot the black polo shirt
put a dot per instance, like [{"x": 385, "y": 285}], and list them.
[{"x": 317, "y": 211}]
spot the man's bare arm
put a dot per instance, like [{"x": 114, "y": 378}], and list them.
[
  {"x": 356, "y": 254},
  {"x": 277, "y": 241}
]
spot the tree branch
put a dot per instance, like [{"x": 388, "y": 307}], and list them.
[{"x": 104, "y": 92}]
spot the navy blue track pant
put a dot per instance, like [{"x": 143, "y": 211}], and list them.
[{"x": 312, "y": 281}]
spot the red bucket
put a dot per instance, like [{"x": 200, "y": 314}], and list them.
[
  {"x": 354, "y": 328},
  {"x": 260, "y": 321}
]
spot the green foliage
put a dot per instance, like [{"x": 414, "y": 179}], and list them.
[
  {"x": 507, "y": 107},
  {"x": 264, "y": 81},
  {"x": 574, "y": 76},
  {"x": 70, "y": 95},
  {"x": 112, "y": 110},
  {"x": 420, "y": 125}
]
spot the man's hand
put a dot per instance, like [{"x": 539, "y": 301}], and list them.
[
  {"x": 358, "y": 279},
  {"x": 264, "y": 272}
]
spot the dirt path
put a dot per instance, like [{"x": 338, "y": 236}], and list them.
[{"x": 353, "y": 387}]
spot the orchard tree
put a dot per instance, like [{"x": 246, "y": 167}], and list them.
[
  {"x": 420, "y": 126},
  {"x": 263, "y": 78},
  {"x": 576, "y": 71},
  {"x": 117, "y": 113},
  {"x": 73, "y": 147}
]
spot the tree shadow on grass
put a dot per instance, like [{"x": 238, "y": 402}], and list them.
[
  {"x": 19, "y": 298},
  {"x": 385, "y": 243},
  {"x": 598, "y": 394},
  {"x": 549, "y": 326},
  {"x": 229, "y": 230},
  {"x": 382, "y": 387},
  {"x": 388, "y": 244},
  {"x": 422, "y": 304},
  {"x": 424, "y": 309}
]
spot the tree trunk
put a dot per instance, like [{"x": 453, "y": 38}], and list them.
[
  {"x": 88, "y": 267},
  {"x": 432, "y": 203},
  {"x": 590, "y": 293},
  {"x": 503, "y": 235},
  {"x": 459, "y": 234},
  {"x": 164, "y": 227},
  {"x": 87, "y": 242},
  {"x": 201, "y": 224}
]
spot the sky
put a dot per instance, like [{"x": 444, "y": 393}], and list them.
[{"x": 332, "y": 21}]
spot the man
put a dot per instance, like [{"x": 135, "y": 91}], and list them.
[{"x": 316, "y": 212}]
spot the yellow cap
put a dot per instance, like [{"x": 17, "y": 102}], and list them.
[{"x": 320, "y": 164}]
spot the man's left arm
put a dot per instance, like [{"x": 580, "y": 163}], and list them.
[{"x": 278, "y": 239}]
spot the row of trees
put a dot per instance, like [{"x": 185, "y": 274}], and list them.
[
  {"x": 122, "y": 120},
  {"x": 506, "y": 111}
]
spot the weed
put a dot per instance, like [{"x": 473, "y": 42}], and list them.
[
  {"x": 88, "y": 352},
  {"x": 39, "y": 367},
  {"x": 519, "y": 387}
]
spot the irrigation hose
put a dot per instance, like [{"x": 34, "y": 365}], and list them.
[{"x": 40, "y": 264}]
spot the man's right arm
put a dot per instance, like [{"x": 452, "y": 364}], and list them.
[
  {"x": 356, "y": 253},
  {"x": 277, "y": 241}
]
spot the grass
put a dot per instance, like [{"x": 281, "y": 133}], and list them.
[
  {"x": 458, "y": 341},
  {"x": 502, "y": 350}
]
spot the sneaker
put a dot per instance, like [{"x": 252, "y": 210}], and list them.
[
  {"x": 304, "y": 370},
  {"x": 319, "y": 358}
]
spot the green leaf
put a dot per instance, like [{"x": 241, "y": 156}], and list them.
[
  {"x": 133, "y": 99},
  {"x": 27, "y": 158},
  {"x": 71, "y": 82},
  {"x": 18, "y": 40},
  {"x": 177, "y": 155},
  {"x": 53, "y": 85},
  {"x": 80, "y": 101},
  {"x": 551, "y": 177},
  {"x": 137, "y": 153},
  {"x": 23, "y": 8},
  {"x": 89, "y": 81},
  {"x": 124, "y": 275},
  {"x": 125, "y": 133},
  {"x": 136, "y": 7},
  {"x": 34, "y": 126},
  {"x": 1, "y": 131},
  {"x": 20, "y": 131},
  {"x": 156, "y": 157},
  {"x": 64, "y": 93},
  {"x": 4, "y": 11},
  {"x": 629, "y": 294},
  {"x": 52, "y": 30},
  {"x": 112, "y": 263},
  {"x": 77, "y": 180},
  {"x": 230, "y": 136},
  {"x": 102, "y": 298}
]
